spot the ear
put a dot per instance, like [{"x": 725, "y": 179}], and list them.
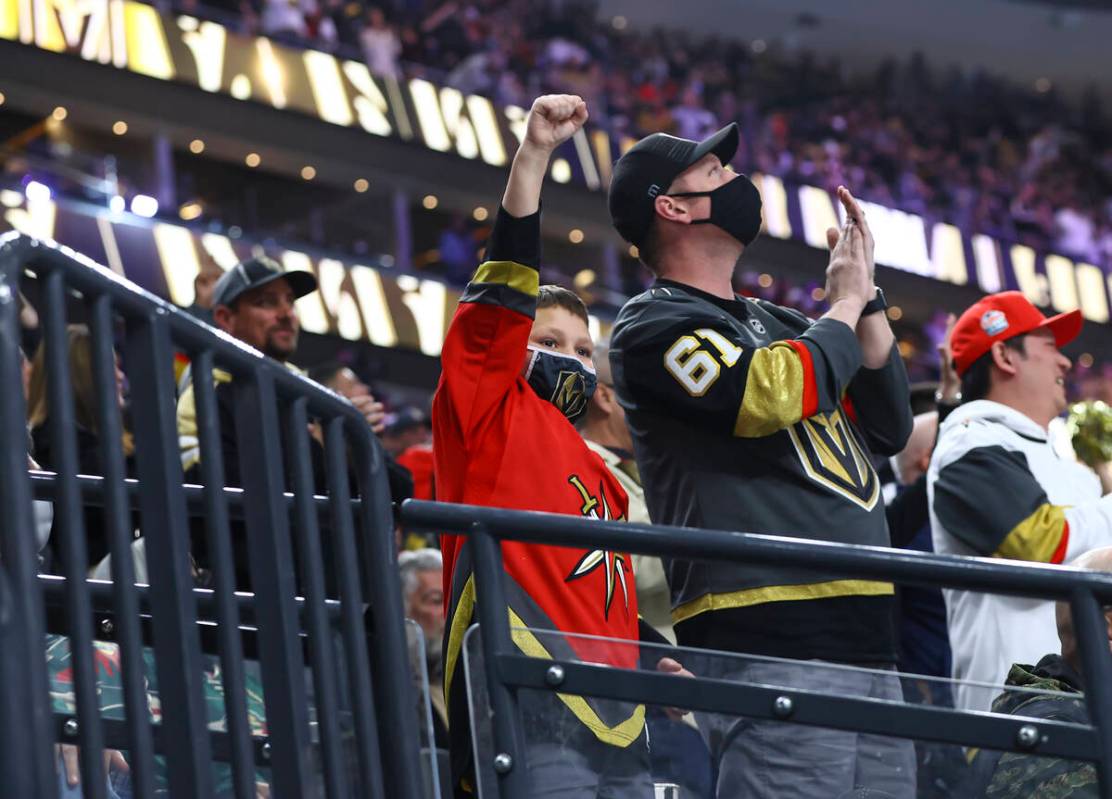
[
  {"x": 1003, "y": 357},
  {"x": 222, "y": 315},
  {"x": 671, "y": 209}
]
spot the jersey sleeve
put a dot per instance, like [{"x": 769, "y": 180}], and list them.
[
  {"x": 990, "y": 501},
  {"x": 700, "y": 368},
  {"x": 484, "y": 349},
  {"x": 881, "y": 400}
]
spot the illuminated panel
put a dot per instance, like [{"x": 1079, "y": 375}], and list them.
[
  {"x": 37, "y": 220},
  {"x": 986, "y": 252},
  {"x": 274, "y": 77},
  {"x": 429, "y": 118},
  {"x": 425, "y": 300},
  {"x": 205, "y": 41},
  {"x": 948, "y": 255},
  {"x": 516, "y": 116},
  {"x": 328, "y": 88},
  {"x": 148, "y": 52},
  {"x": 179, "y": 261},
  {"x": 817, "y": 210},
  {"x": 372, "y": 300},
  {"x": 331, "y": 274},
  {"x": 457, "y": 124},
  {"x": 485, "y": 124},
  {"x": 220, "y": 248},
  {"x": 1032, "y": 284},
  {"x": 9, "y": 19},
  {"x": 583, "y": 150},
  {"x": 1090, "y": 289},
  {"x": 370, "y": 105},
  {"x": 901, "y": 238},
  {"x": 774, "y": 206},
  {"x": 48, "y": 33},
  {"x": 1063, "y": 287},
  {"x": 310, "y": 308}
]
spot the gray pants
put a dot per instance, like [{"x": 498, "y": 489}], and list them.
[
  {"x": 591, "y": 770},
  {"x": 758, "y": 759}
]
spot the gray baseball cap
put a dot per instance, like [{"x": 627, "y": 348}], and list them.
[{"x": 255, "y": 272}]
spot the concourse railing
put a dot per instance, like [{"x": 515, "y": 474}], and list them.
[
  {"x": 509, "y": 674},
  {"x": 325, "y": 610}
]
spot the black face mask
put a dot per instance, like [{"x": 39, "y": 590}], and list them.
[
  {"x": 561, "y": 380},
  {"x": 735, "y": 207}
]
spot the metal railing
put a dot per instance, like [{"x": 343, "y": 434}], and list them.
[
  {"x": 363, "y": 617},
  {"x": 508, "y": 671}
]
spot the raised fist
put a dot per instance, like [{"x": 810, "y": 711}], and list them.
[{"x": 553, "y": 119}]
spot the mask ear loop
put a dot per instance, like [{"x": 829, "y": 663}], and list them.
[
  {"x": 694, "y": 194},
  {"x": 533, "y": 356}
]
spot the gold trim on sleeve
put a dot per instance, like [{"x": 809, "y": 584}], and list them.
[
  {"x": 780, "y": 593},
  {"x": 509, "y": 273},
  {"x": 1037, "y": 537}
]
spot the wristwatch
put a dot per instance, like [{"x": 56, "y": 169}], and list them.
[{"x": 876, "y": 304}]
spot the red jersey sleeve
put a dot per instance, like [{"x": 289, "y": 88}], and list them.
[{"x": 484, "y": 350}]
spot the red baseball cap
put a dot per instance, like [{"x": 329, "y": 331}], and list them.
[{"x": 999, "y": 317}]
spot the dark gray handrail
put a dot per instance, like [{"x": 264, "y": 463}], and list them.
[
  {"x": 507, "y": 670},
  {"x": 153, "y": 330}
]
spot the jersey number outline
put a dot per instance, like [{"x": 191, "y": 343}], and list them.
[{"x": 695, "y": 368}]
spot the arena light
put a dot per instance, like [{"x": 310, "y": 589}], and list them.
[
  {"x": 37, "y": 192},
  {"x": 480, "y": 214},
  {"x": 361, "y": 185},
  {"x": 190, "y": 211},
  {"x": 144, "y": 205},
  {"x": 119, "y": 127},
  {"x": 59, "y": 113},
  {"x": 308, "y": 172},
  {"x": 196, "y": 146},
  {"x": 765, "y": 280},
  {"x": 430, "y": 202},
  {"x": 895, "y": 313},
  {"x": 2, "y": 98},
  {"x": 633, "y": 251},
  {"x": 253, "y": 160},
  {"x": 575, "y": 236},
  {"x": 116, "y": 204}
]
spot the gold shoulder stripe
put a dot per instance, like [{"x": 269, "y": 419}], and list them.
[
  {"x": 461, "y": 620},
  {"x": 1036, "y": 538},
  {"x": 779, "y": 593},
  {"x": 773, "y": 396},
  {"x": 621, "y": 735},
  {"x": 509, "y": 273}
]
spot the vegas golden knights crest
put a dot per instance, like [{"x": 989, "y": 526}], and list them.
[
  {"x": 570, "y": 395},
  {"x": 833, "y": 458},
  {"x": 613, "y": 564}
]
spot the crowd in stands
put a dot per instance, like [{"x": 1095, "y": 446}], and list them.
[{"x": 971, "y": 148}]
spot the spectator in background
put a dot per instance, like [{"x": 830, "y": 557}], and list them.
[
  {"x": 997, "y": 487},
  {"x": 1053, "y": 690},
  {"x": 406, "y": 428},
  {"x": 286, "y": 19},
  {"x": 255, "y": 303},
  {"x": 79, "y": 358},
  {"x": 380, "y": 43},
  {"x": 422, "y": 578},
  {"x": 346, "y": 383}
]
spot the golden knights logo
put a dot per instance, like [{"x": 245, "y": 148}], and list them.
[
  {"x": 570, "y": 394},
  {"x": 613, "y": 563},
  {"x": 832, "y": 457}
]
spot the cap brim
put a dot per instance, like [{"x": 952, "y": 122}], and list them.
[
  {"x": 1065, "y": 327},
  {"x": 723, "y": 144},
  {"x": 300, "y": 282}
]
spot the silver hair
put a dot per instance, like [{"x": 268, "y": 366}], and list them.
[{"x": 417, "y": 560}]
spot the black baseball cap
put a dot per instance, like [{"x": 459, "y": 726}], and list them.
[
  {"x": 255, "y": 272},
  {"x": 648, "y": 169}
]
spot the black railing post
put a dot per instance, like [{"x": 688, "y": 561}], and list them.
[
  {"x": 273, "y": 580},
  {"x": 1091, "y": 630},
  {"x": 117, "y": 520},
  {"x": 494, "y": 624},
  {"x": 377, "y": 549},
  {"x": 165, "y": 530},
  {"x": 31, "y": 757},
  {"x": 70, "y": 523},
  {"x": 219, "y": 540}
]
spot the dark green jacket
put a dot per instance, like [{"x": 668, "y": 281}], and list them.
[{"x": 1010, "y": 775}]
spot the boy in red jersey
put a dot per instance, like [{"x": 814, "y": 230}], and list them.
[{"x": 517, "y": 373}]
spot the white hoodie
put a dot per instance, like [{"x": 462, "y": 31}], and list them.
[{"x": 997, "y": 487}]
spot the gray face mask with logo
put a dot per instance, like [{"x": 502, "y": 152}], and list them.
[{"x": 562, "y": 380}]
